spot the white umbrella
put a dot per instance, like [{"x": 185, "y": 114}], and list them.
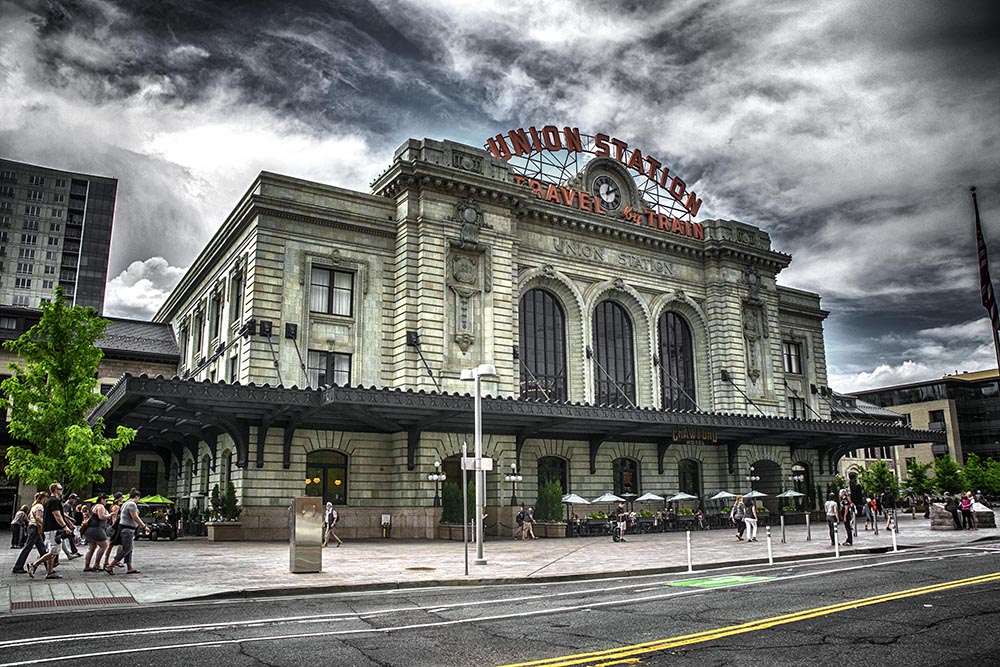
[
  {"x": 573, "y": 499},
  {"x": 723, "y": 495},
  {"x": 755, "y": 494},
  {"x": 790, "y": 494},
  {"x": 677, "y": 497},
  {"x": 608, "y": 498},
  {"x": 648, "y": 498}
]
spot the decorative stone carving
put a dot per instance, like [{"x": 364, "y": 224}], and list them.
[
  {"x": 468, "y": 212},
  {"x": 754, "y": 333},
  {"x": 465, "y": 284},
  {"x": 467, "y": 162},
  {"x": 753, "y": 281}
]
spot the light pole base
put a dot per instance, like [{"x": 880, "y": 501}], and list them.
[{"x": 479, "y": 561}]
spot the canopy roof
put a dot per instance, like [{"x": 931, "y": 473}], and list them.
[{"x": 170, "y": 413}]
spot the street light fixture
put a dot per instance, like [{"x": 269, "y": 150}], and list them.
[
  {"x": 752, "y": 478},
  {"x": 477, "y": 374},
  {"x": 437, "y": 477},
  {"x": 513, "y": 478}
]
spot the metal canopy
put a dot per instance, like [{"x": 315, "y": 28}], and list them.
[{"x": 178, "y": 413}]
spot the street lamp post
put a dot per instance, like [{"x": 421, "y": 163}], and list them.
[
  {"x": 513, "y": 478},
  {"x": 437, "y": 477},
  {"x": 752, "y": 478},
  {"x": 477, "y": 374}
]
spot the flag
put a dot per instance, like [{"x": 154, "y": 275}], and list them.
[{"x": 985, "y": 284}]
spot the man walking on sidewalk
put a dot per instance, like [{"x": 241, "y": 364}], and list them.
[
  {"x": 55, "y": 528},
  {"x": 831, "y": 517}
]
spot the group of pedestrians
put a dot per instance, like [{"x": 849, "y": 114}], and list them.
[
  {"x": 525, "y": 520},
  {"x": 51, "y": 525},
  {"x": 964, "y": 504},
  {"x": 843, "y": 512},
  {"x": 744, "y": 518}
]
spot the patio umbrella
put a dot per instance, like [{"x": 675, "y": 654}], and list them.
[
  {"x": 648, "y": 498},
  {"x": 723, "y": 495},
  {"x": 754, "y": 494},
  {"x": 156, "y": 500},
  {"x": 678, "y": 497},
  {"x": 573, "y": 499},
  {"x": 608, "y": 498},
  {"x": 790, "y": 494}
]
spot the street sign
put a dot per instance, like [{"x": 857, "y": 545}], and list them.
[{"x": 469, "y": 463}]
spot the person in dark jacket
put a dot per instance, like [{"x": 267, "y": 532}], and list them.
[{"x": 951, "y": 506}]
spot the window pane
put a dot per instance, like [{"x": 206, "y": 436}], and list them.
[
  {"x": 316, "y": 368},
  {"x": 542, "y": 346},
  {"x": 342, "y": 293},
  {"x": 614, "y": 369},
  {"x": 341, "y": 370},
  {"x": 319, "y": 291},
  {"x": 676, "y": 363}
]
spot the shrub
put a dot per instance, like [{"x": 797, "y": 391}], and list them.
[
  {"x": 549, "y": 505},
  {"x": 231, "y": 509},
  {"x": 451, "y": 502}
]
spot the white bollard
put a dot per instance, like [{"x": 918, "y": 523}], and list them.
[
  {"x": 690, "y": 565},
  {"x": 809, "y": 534},
  {"x": 782, "y": 528},
  {"x": 836, "y": 543},
  {"x": 770, "y": 554},
  {"x": 893, "y": 531}
]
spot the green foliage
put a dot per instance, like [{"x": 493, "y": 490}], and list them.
[
  {"x": 991, "y": 478},
  {"x": 840, "y": 482},
  {"x": 947, "y": 476},
  {"x": 49, "y": 398},
  {"x": 877, "y": 478},
  {"x": 597, "y": 515},
  {"x": 973, "y": 473},
  {"x": 647, "y": 513},
  {"x": 231, "y": 509},
  {"x": 451, "y": 503},
  {"x": 917, "y": 478},
  {"x": 549, "y": 505}
]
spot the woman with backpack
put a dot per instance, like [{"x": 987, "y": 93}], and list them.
[{"x": 738, "y": 516}]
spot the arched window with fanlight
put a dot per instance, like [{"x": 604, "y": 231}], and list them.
[
  {"x": 326, "y": 475},
  {"x": 676, "y": 362},
  {"x": 614, "y": 355},
  {"x": 626, "y": 476},
  {"x": 689, "y": 477},
  {"x": 542, "y": 346}
]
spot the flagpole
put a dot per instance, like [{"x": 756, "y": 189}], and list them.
[{"x": 985, "y": 283}]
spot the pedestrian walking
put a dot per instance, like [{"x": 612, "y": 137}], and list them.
[
  {"x": 114, "y": 532},
  {"x": 97, "y": 534},
  {"x": 33, "y": 539},
  {"x": 737, "y": 515},
  {"x": 951, "y": 506},
  {"x": 128, "y": 522},
  {"x": 889, "y": 507},
  {"x": 519, "y": 520},
  {"x": 529, "y": 523},
  {"x": 330, "y": 518},
  {"x": 869, "y": 514},
  {"x": 55, "y": 529},
  {"x": 69, "y": 512},
  {"x": 750, "y": 520},
  {"x": 832, "y": 519},
  {"x": 19, "y": 528}
]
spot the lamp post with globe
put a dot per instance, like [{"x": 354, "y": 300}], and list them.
[
  {"x": 513, "y": 478},
  {"x": 438, "y": 476}
]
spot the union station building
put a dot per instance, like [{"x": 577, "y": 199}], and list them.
[{"x": 322, "y": 334}]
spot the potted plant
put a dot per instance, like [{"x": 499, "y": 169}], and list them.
[
  {"x": 227, "y": 527},
  {"x": 451, "y": 525},
  {"x": 549, "y": 511}
]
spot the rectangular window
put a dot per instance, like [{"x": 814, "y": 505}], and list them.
[
  {"x": 3, "y": 237},
  {"x": 21, "y": 300},
  {"x": 5, "y": 221},
  {"x": 25, "y": 253},
  {"x": 792, "y": 355},
  {"x": 30, "y": 225},
  {"x": 60, "y": 182},
  {"x": 57, "y": 213},
  {"x": 796, "y": 408},
  {"x": 7, "y": 191},
  {"x": 8, "y": 176},
  {"x": 48, "y": 284},
  {"x": 234, "y": 369},
  {"x": 33, "y": 211},
  {"x": 36, "y": 180},
  {"x": 6, "y": 207},
  {"x": 216, "y": 317},
  {"x": 331, "y": 292},
  {"x": 24, "y": 267},
  {"x": 29, "y": 239},
  {"x": 35, "y": 195},
  {"x": 50, "y": 270},
  {"x": 329, "y": 368},
  {"x": 53, "y": 241},
  {"x": 55, "y": 226},
  {"x": 9, "y": 323},
  {"x": 199, "y": 327},
  {"x": 22, "y": 283},
  {"x": 50, "y": 255},
  {"x": 59, "y": 199},
  {"x": 236, "y": 298}
]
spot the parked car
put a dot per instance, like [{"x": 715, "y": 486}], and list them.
[{"x": 155, "y": 518}]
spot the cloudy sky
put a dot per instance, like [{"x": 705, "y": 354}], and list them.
[{"x": 850, "y": 131}]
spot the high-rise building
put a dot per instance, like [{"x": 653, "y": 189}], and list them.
[{"x": 55, "y": 229}]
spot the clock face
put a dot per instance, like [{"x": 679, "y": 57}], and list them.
[{"x": 608, "y": 192}]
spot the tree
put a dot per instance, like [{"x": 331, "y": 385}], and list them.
[
  {"x": 991, "y": 480},
  {"x": 947, "y": 476},
  {"x": 549, "y": 507},
  {"x": 231, "y": 509},
  {"x": 48, "y": 400},
  {"x": 917, "y": 479},
  {"x": 877, "y": 478},
  {"x": 973, "y": 473}
]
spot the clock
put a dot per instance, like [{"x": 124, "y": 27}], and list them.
[{"x": 607, "y": 191}]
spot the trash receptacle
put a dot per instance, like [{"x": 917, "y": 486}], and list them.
[{"x": 305, "y": 535}]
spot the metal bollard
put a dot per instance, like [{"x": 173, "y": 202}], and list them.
[
  {"x": 836, "y": 544},
  {"x": 770, "y": 554},
  {"x": 809, "y": 534},
  {"x": 782, "y": 528},
  {"x": 892, "y": 529},
  {"x": 690, "y": 564}
]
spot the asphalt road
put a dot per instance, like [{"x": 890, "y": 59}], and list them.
[{"x": 937, "y": 606}]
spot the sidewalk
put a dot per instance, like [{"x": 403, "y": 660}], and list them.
[{"x": 195, "y": 568}]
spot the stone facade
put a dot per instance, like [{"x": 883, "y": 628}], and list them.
[{"x": 444, "y": 248}]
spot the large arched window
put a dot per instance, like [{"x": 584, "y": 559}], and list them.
[
  {"x": 626, "y": 472},
  {"x": 614, "y": 354},
  {"x": 689, "y": 477},
  {"x": 542, "y": 346},
  {"x": 676, "y": 363},
  {"x": 227, "y": 469},
  {"x": 326, "y": 476},
  {"x": 206, "y": 465},
  {"x": 553, "y": 468}
]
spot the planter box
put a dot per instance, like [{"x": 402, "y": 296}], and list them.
[
  {"x": 550, "y": 529},
  {"x": 453, "y": 531},
  {"x": 224, "y": 531}
]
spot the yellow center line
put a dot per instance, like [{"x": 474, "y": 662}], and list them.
[{"x": 623, "y": 654}]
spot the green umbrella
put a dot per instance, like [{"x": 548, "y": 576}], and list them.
[{"x": 156, "y": 500}]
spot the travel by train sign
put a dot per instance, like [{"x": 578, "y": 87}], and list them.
[{"x": 549, "y": 161}]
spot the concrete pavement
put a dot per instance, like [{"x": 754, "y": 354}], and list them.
[{"x": 193, "y": 568}]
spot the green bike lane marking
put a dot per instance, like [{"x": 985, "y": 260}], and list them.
[{"x": 719, "y": 582}]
